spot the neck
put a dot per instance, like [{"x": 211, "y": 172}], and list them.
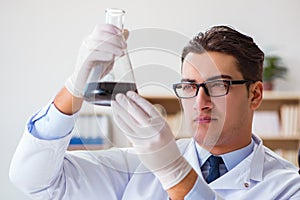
[{"x": 222, "y": 147}]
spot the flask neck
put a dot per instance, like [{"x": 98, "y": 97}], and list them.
[{"x": 115, "y": 17}]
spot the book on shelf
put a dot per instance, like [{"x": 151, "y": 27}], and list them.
[
  {"x": 284, "y": 122},
  {"x": 289, "y": 155},
  {"x": 290, "y": 116},
  {"x": 266, "y": 123}
]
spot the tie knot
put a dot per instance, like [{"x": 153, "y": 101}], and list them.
[{"x": 215, "y": 160}]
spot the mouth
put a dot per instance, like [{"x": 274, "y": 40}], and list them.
[{"x": 204, "y": 119}]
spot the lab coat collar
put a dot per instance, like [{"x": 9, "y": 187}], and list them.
[
  {"x": 240, "y": 177},
  {"x": 257, "y": 164}
]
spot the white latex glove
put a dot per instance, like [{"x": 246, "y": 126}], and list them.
[
  {"x": 97, "y": 50},
  {"x": 151, "y": 137}
]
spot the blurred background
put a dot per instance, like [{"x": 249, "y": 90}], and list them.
[{"x": 39, "y": 41}]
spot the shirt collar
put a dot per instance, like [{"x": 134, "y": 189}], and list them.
[{"x": 230, "y": 159}]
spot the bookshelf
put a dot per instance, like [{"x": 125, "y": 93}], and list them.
[
  {"x": 91, "y": 132},
  {"x": 282, "y": 142},
  {"x": 287, "y": 106}
]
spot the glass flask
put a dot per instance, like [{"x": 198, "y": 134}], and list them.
[{"x": 100, "y": 91}]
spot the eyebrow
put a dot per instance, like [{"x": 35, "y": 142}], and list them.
[
  {"x": 209, "y": 79},
  {"x": 188, "y": 80},
  {"x": 219, "y": 76}
]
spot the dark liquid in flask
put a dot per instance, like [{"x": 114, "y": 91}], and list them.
[{"x": 101, "y": 93}]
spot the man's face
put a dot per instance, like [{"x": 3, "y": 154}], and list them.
[{"x": 220, "y": 124}]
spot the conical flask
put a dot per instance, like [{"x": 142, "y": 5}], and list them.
[{"x": 101, "y": 91}]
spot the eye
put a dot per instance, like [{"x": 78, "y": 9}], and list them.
[
  {"x": 188, "y": 87},
  {"x": 218, "y": 85}
]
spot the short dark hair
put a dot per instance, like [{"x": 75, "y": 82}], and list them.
[{"x": 226, "y": 40}]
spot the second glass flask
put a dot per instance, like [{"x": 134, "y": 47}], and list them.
[{"x": 120, "y": 79}]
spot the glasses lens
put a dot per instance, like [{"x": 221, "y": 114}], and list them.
[
  {"x": 185, "y": 90},
  {"x": 217, "y": 88}
]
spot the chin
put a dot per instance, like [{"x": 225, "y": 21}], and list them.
[{"x": 207, "y": 137}]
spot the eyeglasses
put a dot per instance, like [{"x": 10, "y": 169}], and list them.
[{"x": 213, "y": 88}]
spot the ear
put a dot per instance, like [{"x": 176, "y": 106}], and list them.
[{"x": 256, "y": 95}]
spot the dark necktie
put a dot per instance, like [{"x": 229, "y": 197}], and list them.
[{"x": 214, "y": 171}]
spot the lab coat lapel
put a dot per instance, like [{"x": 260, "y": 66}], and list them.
[
  {"x": 239, "y": 177},
  {"x": 246, "y": 173}
]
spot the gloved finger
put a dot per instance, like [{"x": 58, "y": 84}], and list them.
[
  {"x": 136, "y": 112},
  {"x": 124, "y": 120},
  {"x": 103, "y": 68},
  {"x": 109, "y": 28},
  {"x": 109, "y": 42},
  {"x": 155, "y": 119},
  {"x": 108, "y": 68},
  {"x": 128, "y": 124},
  {"x": 145, "y": 105},
  {"x": 116, "y": 40},
  {"x": 106, "y": 53},
  {"x": 106, "y": 28},
  {"x": 109, "y": 33},
  {"x": 98, "y": 56},
  {"x": 119, "y": 120},
  {"x": 147, "y": 125}
]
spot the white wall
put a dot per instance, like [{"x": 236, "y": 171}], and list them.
[{"x": 39, "y": 42}]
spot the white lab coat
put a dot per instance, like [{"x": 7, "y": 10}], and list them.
[{"x": 44, "y": 170}]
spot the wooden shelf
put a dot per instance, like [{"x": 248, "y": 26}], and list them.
[
  {"x": 272, "y": 101},
  {"x": 88, "y": 147},
  {"x": 281, "y": 95},
  {"x": 285, "y": 143},
  {"x": 171, "y": 104}
]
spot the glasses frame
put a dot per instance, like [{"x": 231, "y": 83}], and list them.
[{"x": 199, "y": 85}]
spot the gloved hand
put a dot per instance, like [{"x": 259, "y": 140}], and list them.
[
  {"x": 97, "y": 50},
  {"x": 151, "y": 137}
]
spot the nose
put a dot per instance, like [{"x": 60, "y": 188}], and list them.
[{"x": 203, "y": 101}]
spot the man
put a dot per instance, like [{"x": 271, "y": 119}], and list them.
[{"x": 220, "y": 89}]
